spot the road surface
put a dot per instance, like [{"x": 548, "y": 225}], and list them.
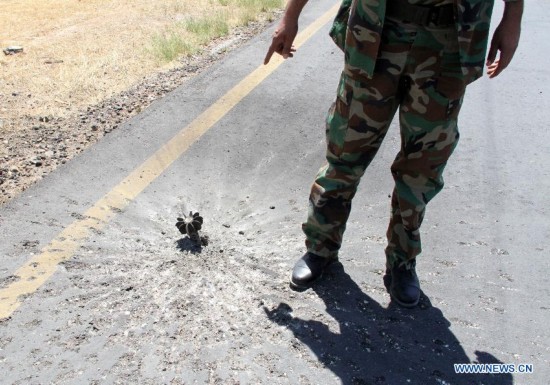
[{"x": 98, "y": 287}]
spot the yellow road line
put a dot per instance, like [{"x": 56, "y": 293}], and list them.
[{"x": 41, "y": 267}]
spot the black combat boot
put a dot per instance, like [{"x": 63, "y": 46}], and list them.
[
  {"x": 402, "y": 283},
  {"x": 308, "y": 269}
]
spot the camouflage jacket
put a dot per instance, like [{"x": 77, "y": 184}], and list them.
[{"x": 358, "y": 26}]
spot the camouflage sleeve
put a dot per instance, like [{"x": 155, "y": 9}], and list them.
[
  {"x": 363, "y": 36},
  {"x": 473, "y": 21},
  {"x": 340, "y": 25}
]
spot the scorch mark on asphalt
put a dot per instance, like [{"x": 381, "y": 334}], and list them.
[{"x": 37, "y": 270}]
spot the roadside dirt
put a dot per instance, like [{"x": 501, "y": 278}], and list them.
[{"x": 39, "y": 145}]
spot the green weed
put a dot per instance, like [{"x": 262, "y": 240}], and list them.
[
  {"x": 170, "y": 45},
  {"x": 260, "y": 5},
  {"x": 207, "y": 28},
  {"x": 185, "y": 37}
]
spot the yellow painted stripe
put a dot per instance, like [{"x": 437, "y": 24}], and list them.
[{"x": 42, "y": 266}]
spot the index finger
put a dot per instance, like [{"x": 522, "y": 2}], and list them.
[{"x": 270, "y": 52}]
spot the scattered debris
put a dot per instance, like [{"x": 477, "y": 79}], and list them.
[{"x": 13, "y": 49}]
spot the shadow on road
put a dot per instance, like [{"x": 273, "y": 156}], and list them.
[
  {"x": 377, "y": 345},
  {"x": 186, "y": 244}
]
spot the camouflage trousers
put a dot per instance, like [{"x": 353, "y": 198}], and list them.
[{"x": 418, "y": 73}]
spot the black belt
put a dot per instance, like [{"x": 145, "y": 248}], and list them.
[{"x": 420, "y": 14}]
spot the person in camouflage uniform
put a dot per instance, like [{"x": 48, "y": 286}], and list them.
[{"x": 411, "y": 56}]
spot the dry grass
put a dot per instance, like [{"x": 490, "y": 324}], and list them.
[{"x": 79, "y": 52}]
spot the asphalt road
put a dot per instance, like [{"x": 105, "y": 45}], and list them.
[{"x": 97, "y": 286}]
